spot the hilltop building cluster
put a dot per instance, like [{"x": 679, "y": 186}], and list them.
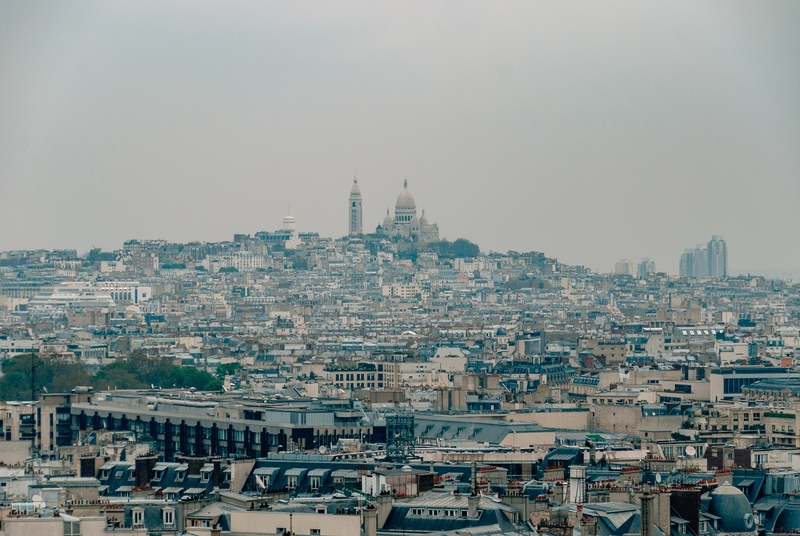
[
  {"x": 364, "y": 390},
  {"x": 404, "y": 225}
]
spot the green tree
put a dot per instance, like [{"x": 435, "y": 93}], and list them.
[
  {"x": 140, "y": 370},
  {"x": 227, "y": 369},
  {"x": 186, "y": 377},
  {"x": 52, "y": 372},
  {"x": 118, "y": 375}
]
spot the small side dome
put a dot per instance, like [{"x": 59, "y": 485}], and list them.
[{"x": 387, "y": 221}]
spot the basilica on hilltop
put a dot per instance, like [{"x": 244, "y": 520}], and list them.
[{"x": 405, "y": 224}]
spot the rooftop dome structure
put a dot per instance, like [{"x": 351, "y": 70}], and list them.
[
  {"x": 288, "y": 222},
  {"x": 405, "y": 199},
  {"x": 732, "y": 506},
  {"x": 789, "y": 519},
  {"x": 387, "y": 221}
]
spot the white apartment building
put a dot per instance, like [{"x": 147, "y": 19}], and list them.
[
  {"x": 243, "y": 261},
  {"x": 71, "y": 295},
  {"x": 126, "y": 292}
]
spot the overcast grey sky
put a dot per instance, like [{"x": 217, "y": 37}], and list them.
[{"x": 589, "y": 131}]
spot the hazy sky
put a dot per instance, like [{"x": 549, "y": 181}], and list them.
[{"x": 589, "y": 131}]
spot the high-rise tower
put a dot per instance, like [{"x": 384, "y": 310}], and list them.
[
  {"x": 355, "y": 227},
  {"x": 717, "y": 257}
]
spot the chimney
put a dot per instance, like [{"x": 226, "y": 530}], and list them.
[
  {"x": 88, "y": 467},
  {"x": 370, "y": 520},
  {"x": 217, "y": 472},
  {"x": 647, "y": 512},
  {"x": 472, "y": 505},
  {"x": 473, "y": 478},
  {"x": 195, "y": 464},
  {"x": 143, "y": 468},
  {"x": 384, "y": 507}
]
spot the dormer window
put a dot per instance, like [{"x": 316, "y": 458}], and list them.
[
  {"x": 205, "y": 476},
  {"x": 179, "y": 476},
  {"x": 158, "y": 474},
  {"x": 291, "y": 481},
  {"x": 137, "y": 516},
  {"x": 314, "y": 483},
  {"x": 169, "y": 517},
  {"x": 104, "y": 474}
]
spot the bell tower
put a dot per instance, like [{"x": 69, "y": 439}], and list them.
[{"x": 354, "y": 225}]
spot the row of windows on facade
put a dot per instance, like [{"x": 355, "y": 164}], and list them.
[
  {"x": 436, "y": 512},
  {"x": 205, "y": 476},
  {"x": 314, "y": 482},
  {"x": 167, "y": 516},
  {"x": 357, "y": 377},
  {"x": 222, "y": 433}
]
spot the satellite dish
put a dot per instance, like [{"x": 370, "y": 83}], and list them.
[
  {"x": 322, "y": 449},
  {"x": 691, "y": 451},
  {"x": 658, "y": 478}
]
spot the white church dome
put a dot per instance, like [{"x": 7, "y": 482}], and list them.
[{"x": 405, "y": 199}]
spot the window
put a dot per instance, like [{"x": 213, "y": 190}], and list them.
[
  {"x": 179, "y": 476},
  {"x": 205, "y": 476},
  {"x": 314, "y": 483},
  {"x": 138, "y": 518},
  {"x": 169, "y": 517},
  {"x": 72, "y": 528},
  {"x": 291, "y": 481},
  {"x": 315, "y": 531}
]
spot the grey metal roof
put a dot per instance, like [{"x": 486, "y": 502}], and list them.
[{"x": 296, "y": 471}]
